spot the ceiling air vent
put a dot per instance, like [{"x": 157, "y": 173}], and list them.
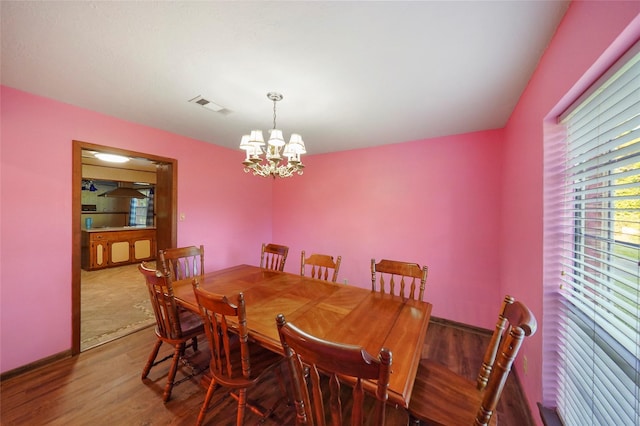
[{"x": 212, "y": 106}]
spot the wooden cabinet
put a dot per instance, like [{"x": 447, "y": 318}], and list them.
[
  {"x": 94, "y": 251},
  {"x": 119, "y": 252},
  {"x": 142, "y": 248},
  {"x": 103, "y": 249}
]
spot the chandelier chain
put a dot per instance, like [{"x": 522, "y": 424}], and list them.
[{"x": 274, "y": 113}]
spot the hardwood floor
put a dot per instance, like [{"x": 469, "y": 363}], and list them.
[{"x": 102, "y": 386}]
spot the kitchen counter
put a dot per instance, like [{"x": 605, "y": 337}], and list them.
[{"x": 119, "y": 228}]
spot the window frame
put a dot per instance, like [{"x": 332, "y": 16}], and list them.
[{"x": 558, "y": 304}]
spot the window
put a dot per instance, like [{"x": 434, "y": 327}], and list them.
[
  {"x": 141, "y": 209},
  {"x": 591, "y": 323}
]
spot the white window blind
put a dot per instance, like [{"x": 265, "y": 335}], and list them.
[{"x": 592, "y": 251}]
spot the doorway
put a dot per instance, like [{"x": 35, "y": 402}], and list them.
[{"x": 165, "y": 200}]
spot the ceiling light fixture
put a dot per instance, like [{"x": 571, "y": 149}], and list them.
[
  {"x": 254, "y": 142},
  {"x": 111, "y": 158}
]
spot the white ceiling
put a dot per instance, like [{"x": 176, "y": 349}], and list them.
[{"x": 353, "y": 74}]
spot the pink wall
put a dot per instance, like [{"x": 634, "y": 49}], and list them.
[
  {"x": 226, "y": 210},
  {"x": 590, "y": 38},
  {"x": 434, "y": 202},
  {"x": 445, "y": 200}
]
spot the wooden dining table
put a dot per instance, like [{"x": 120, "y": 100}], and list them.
[{"x": 337, "y": 312}]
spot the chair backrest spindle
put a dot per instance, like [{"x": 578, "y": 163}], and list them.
[
  {"x": 182, "y": 263},
  {"x": 273, "y": 256},
  {"x": 321, "y": 266},
  {"x": 163, "y": 303},
  {"x": 393, "y": 270},
  {"x": 514, "y": 317},
  {"x": 214, "y": 309},
  {"x": 303, "y": 351}
]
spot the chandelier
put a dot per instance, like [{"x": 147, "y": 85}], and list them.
[{"x": 269, "y": 162}]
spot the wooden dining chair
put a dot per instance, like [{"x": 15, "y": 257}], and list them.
[
  {"x": 442, "y": 397},
  {"x": 236, "y": 363},
  {"x": 321, "y": 357},
  {"x": 321, "y": 265},
  {"x": 391, "y": 271},
  {"x": 183, "y": 262},
  {"x": 173, "y": 326},
  {"x": 273, "y": 256}
]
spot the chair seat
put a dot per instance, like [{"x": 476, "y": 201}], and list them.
[
  {"x": 262, "y": 361},
  {"x": 190, "y": 324},
  {"x": 434, "y": 389}
]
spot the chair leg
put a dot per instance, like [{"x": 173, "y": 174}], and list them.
[
  {"x": 193, "y": 345},
  {"x": 413, "y": 421},
  {"x": 172, "y": 372},
  {"x": 152, "y": 358},
  {"x": 207, "y": 401},
  {"x": 242, "y": 404}
]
